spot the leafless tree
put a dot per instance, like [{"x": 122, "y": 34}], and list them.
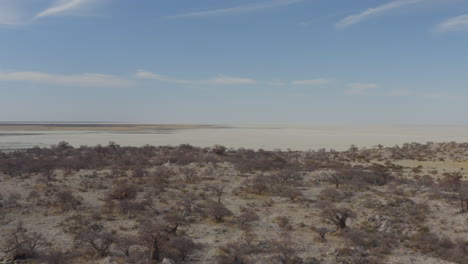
[
  {"x": 338, "y": 216},
  {"x": 331, "y": 176},
  {"x": 239, "y": 252},
  {"x": 453, "y": 183},
  {"x": 125, "y": 243},
  {"x": 188, "y": 202},
  {"x": 190, "y": 174},
  {"x": 322, "y": 231},
  {"x": 353, "y": 148},
  {"x": 154, "y": 235},
  {"x": 217, "y": 190},
  {"x": 21, "y": 244},
  {"x": 285, "y": 250},
  {"x": 218, "y": 149},
  {"x": 291, "y": 192},
  {"x": 382, "y": 172},
  {"x": 47, "y": 168},
  {"x": 97, "y": 239},
  {"x": 67, "y": 201},
  {"x": 175, "y": 220},
  {"x": 217, "y": 210}
]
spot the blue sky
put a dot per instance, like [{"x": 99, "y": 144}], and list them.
[{"x": 235, "y": 61}]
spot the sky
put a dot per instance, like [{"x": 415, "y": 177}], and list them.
[{"x": 235, "y": 61}]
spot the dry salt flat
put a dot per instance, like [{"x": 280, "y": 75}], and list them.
[{"x": 269, "y": 137}]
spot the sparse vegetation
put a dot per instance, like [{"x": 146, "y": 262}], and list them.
[{"x": 220, "y": 205}]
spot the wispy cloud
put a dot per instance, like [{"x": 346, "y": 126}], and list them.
[
  {"x": 458, "y": 23},
  {"x": 373, "y": 12},
  {"x": 85, "y": 80},
  {"x": 153, "y": 76},
  {"x": 360, "y": 88},
  {"x": 311, "y": 82},
  {"x": 220, "y": 80},
  {"x": 63, "y": 7},
  {"x": 226, "y": 80},
  {"x": 238, "y": 10},
  {"x": 17, "y": 12}
]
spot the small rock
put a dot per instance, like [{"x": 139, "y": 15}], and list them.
[{"x": 167, "y": 261}]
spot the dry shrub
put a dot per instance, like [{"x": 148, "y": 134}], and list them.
[
  {"x": 284, "y": 250},
  {"x": 180, "y": 247},
  {"x": 337, "y": 215},
  {"x": 242, "y": 251},
  {"x": 260, "y": 163},
  {"x": 123, "y": 191},
  {"x": 440, "y": 247},
  {"x": 375, "y": 242},
  {"x": 12, "y": 200},
  {"x": 322, "y": 232},
  {"x": 67, "y": 201},
  {"x": 283, "y": 222},
  {"x": 96, "y": 238},
  {"x": 55, "y": 257},
  {"x": 247, "y": 216},
  {"x": 217, "y": 210},
  {"x": 332, "y": 194}
]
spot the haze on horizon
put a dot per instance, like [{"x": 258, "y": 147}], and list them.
[{"x": 242, "y": 61}]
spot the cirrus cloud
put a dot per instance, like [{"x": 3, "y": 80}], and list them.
[
  {"x": 64, "y": 7},
  {"x": 360, "y": 88},
  {"x": 457, "y": 23},
  {"x": 86, "y": 79},
  {"x": 373, "y": 12},
  {"x": 238, "y": 10},
  {"x": 220, "y": 80}
]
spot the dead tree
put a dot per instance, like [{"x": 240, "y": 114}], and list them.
[
  {"x": 97, "y": 239},
  {"x": 322, "y": 231},
  {"x": 331, "y": 176},
  {"x": 217, "y": 190},
  {"x": 338, "y": 216},
  {"x": 382, "y": 172},
  {"x": 453, "y": 182},
  {"x": 218, "y": 211},
  {"x": 175, "y": 220},
  {"x": 190, "y": 174},
  {"x": 125, "y": 243},
  {"x": 154, "y": 235},
  {"x": 21, "y": 244}
]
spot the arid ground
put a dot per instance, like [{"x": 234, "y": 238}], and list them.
[
  {"x": 269, "y": 137},
  {"x": 185, "y": 204}
]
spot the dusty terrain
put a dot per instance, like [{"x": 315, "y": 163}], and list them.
[
  {"x": 114, "y": 204},
  {"x": 93, "y": 127}
]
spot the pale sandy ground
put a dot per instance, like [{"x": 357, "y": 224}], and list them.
[
  {"x": 444, "y": 218},
  {"x": 92, "y": 126},
  {"x": 295, "y": 137}
]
